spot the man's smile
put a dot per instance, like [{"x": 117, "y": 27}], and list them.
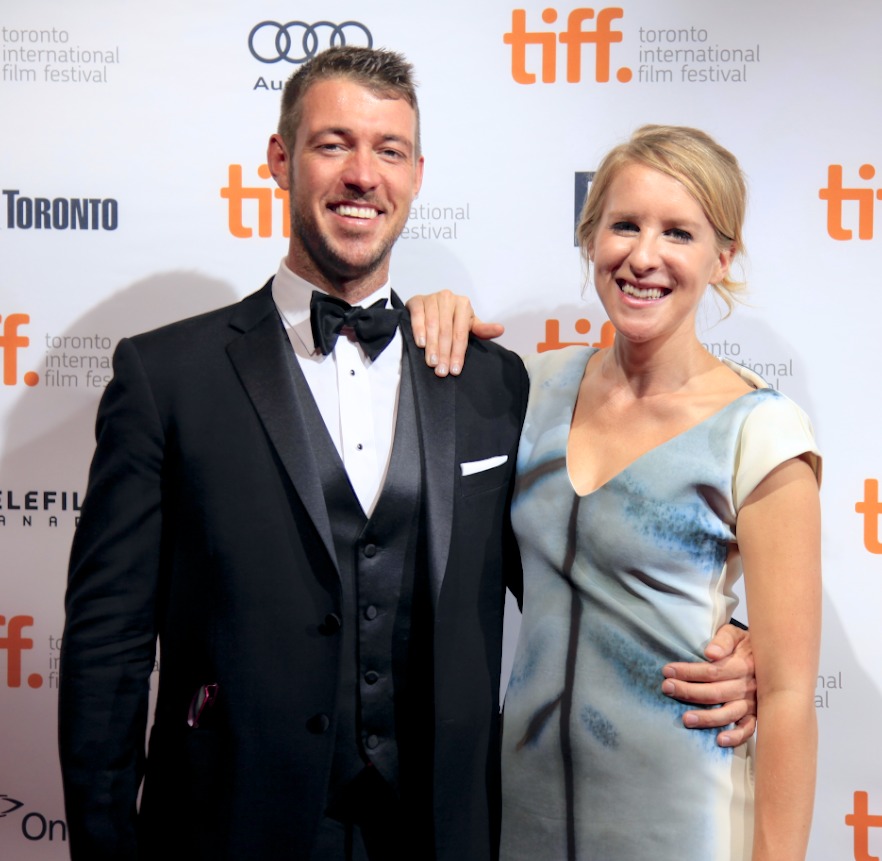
[{"x": 352, "y": 211}]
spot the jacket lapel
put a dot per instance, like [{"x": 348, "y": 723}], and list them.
[
  {"x": 435, "y": 409},
  {"x": 265, "y": 363}
]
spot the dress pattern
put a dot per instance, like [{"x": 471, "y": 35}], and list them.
[{"x": 617, "y": 583}]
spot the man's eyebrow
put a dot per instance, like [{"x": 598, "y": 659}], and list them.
[
  {"x": 331, "y": 130},
  {"x": 399, "y": 139}
]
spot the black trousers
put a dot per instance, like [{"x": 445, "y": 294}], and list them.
[{"x": 369, "y": 822}]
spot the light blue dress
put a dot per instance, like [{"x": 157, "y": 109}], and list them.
[{"x": 617, "y": 583}]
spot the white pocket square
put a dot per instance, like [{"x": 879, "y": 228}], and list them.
[{"x": 474, "y": 466}]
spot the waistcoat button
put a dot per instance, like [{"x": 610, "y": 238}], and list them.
[
  {"x": 331, "y": 624},
  {"x": 318, "y": 724}
]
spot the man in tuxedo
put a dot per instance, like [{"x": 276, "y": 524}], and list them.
[{"x": 315, "y": 529}]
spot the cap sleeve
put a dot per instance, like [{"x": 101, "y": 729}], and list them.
[{"x": 775, "y": 431}]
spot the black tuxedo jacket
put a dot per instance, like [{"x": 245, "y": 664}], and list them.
[{"x": 204, "y": 525}]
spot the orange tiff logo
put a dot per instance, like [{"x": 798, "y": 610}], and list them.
[
  {"x": 574, "y": 37},
  {"x": 871, "y": 507},
  {"x": 11, "y": 341},
  {"x": 836, "y": 194},
  {"x": 553, "y": 340},
  {"x": 862, "y": 821},
  {"x": 14, "y": 644},
  {"x": 236, "y": 193}
]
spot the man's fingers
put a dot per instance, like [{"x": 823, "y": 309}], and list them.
[
  {"x": 737, "y": 721},
  {"x": 743, "y": 723},
  {"x": 721, "y": 717},
  {"x": 726, "y": 680},
  {"x": 706, "y": 691},
  {"x": 738, "y": 734},
  {"x": 705, "y": 683},
  {"x": 722, "y": 644},
  {"x": 728, "y": 640},
  {"x": 707, "y": 694},
  {"x": 735, "y": 668}
]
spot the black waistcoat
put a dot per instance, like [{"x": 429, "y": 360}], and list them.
[{"x": 384, "y": 704}]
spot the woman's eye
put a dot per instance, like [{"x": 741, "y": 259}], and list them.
[{"x": 680, "y": 235}]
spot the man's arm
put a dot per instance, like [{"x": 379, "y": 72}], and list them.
[
  {"x": 726, "y": 678},
  {"x": 109, "y": 640},
  {"x": 442, "y": 323}
]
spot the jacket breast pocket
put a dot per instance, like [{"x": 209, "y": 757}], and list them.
[{"x": 483, "y": 475}]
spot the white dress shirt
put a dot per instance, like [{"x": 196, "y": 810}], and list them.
[{"x": 357, "y": 398}]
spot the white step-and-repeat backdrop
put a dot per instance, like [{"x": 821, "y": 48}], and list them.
[{"x": 134, "y": 192}]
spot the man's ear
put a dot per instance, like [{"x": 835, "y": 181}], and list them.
[
  {"x": 278, "y": 161},
  {"x": 418, "y": 176}
]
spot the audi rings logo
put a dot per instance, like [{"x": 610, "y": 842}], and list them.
[{"x": 297, "y": 41}]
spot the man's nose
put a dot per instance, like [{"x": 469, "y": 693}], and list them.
[{"x": 361, "y": 169}]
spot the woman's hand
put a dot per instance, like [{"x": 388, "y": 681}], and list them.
[{"x": 441, "y": 324}]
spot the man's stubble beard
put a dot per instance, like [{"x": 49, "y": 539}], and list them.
[{"x": 326, "y": 261}]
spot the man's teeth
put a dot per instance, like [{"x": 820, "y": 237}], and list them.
[
  {"x": 357, "y": 211},
  {"x": 642, "y": 293}
]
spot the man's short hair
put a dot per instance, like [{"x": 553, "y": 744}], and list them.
[{"x": 387, "y": 74}]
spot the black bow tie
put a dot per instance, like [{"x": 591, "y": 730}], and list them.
[{"x": 374, "y": 326}]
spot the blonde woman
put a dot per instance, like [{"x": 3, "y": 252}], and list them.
[{"x": 651, "y": 475}]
